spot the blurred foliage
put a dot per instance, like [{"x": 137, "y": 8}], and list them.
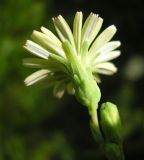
[{"x": 36, "y": 126}]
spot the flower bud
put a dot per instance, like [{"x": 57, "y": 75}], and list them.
[{"x": 110, "y": 123}]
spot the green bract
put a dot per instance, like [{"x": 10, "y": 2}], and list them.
[{"x": 73, "y": 60}]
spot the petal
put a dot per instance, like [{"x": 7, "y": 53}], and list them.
[
  {"x": 63, "y": 30},
  {"x": 102, "y": 39},
  {"x": 51, "y": 36},
  {"x": 49, "y": 64},
  {"x": 36, "y": 76},
  {"x": 70, "y": 89},
  {"x": 36, "y": 49},
  {"x": 110, "y": 46},
  {"x": 47, "y": 43},
  {"x": 35, "y": 63},
  {"x": 107, "y": 56},
  {"x": 91, "y": 27},
  {"x": 106, "y": 68},
  {"x": 96, "y": 77},
  {"x": 77, "y": 25},
  {"x": 59, "y": 89}
]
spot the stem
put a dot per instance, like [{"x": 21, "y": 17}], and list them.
[
  {"x": 94, "y": 118},
  {"x": 110, "y": 147},
  {"x": 95, "y": 127}
]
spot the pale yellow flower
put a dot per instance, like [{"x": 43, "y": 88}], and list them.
[{"x": 61, "y": 59}]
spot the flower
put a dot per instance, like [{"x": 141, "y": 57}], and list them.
[{"x": 73, "y": 61}]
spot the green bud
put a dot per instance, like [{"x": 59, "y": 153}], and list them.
[{"x": 110, "y": 123}]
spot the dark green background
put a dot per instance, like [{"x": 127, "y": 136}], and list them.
[{"x": 34, "y": 125}]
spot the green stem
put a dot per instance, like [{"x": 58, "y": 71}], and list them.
[
  {"x": 94, "y": 124},
  {"x": 94, "y": 118},
  {"x": 109, "y": 142}
]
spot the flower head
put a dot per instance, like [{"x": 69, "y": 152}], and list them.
[{"x": 73, "y": 59}]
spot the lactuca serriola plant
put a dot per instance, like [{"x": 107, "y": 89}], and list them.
[{"x": 72, "y": 61}]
